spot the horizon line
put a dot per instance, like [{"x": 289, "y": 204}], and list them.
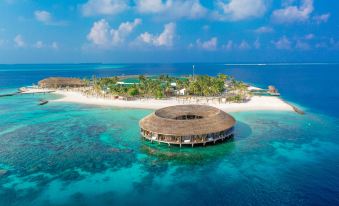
[{"x": 222, "y": 63}]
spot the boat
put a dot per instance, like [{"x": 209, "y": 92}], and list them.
[{"x": 42, "y": 102}]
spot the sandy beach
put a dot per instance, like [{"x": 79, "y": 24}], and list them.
[{"x": 257, "y": 103}]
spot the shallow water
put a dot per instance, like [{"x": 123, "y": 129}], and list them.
[
  {"x": 66, "y": 154},
  {"x": 69, "y": 154}
]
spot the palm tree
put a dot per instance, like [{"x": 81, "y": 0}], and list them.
[
  {"x": 142, "y": 78},
  {"x": 223, "y": 77}
]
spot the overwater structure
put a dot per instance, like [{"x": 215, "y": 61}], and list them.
[{"x": 187, "y": 125}]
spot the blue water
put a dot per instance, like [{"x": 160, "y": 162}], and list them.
[
  {"x": 69, "y": 154},
  {"x": 310, "y": 85}
]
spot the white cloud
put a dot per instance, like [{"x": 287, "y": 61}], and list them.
[
  {"x": 167, "y": 36},
  {"x": 322, "y": 18},
  {"x": 39, "y": 45},
  {"x": 47, "y": 18},
  {"x": 264, "y": 29},
  {"x": 209, "y": 45},
  {"x": 321, "y": 45},
  {"x": 334, "y": 43},
  {"x": 257, "y": 44},
  {"x": 234, "y": 10},
  {"x": 104, "y": 7},
  {"x": 293, "y": 13},
  {"x": 282, "y": 43},
  {"x": 229, "y": 45},
  {"x": 163, "y": 39},
  {"x": 119, "y": 35},
  {"x": 43, "y": 16},
  {"x": 302, "y": 45},
  {"x": 102, "y": 35},
  {"x": 206, "y": 28},
  {"x": 19, "y": 41},
  {"x": 309, "y": 36},
  {"x": 152, "y": 6},
  {"x": 55, "y": 45},
  {"x": 99, "y": 33},
  {"x": 244, "y": 45},
  {"x": 146, "y": 37},
  {"x": 190, "y": 46},
  {"x": 175, "y": 9}
]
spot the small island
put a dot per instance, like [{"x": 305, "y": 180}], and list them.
[{"x": 155, "y": 92}]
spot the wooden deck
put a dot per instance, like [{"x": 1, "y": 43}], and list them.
[{"x": 190, "y": 143}]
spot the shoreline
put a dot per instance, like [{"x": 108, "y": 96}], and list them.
[{"x": 257, "y": 103}]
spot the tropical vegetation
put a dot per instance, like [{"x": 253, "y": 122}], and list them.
[{"x": 166, "y": 86}]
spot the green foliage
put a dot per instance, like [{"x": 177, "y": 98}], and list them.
[
  {"x": 118, "y": 89},
  {"x": 159, "y": 94},
  {"x": 87, "y": 81},
  {"x": 236, "y": 98},
  {"x": 133, "y": 91},
  {"x": 202, "y": 85},
  {"x": 104, "y": 83},
  {"x": 206, "y": 86},
  {"x": 223, "y": 77}
]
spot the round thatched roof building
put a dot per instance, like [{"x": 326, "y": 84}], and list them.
[{"x": 187, "y": 124}]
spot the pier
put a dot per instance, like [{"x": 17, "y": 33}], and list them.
[
  {"x": 296, "y": 109},
  {"x": 9, "y": 94},
  {"x": 24, "y": 90}
]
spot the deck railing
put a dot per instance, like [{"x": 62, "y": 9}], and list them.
[{"x": 189, "y": 141}]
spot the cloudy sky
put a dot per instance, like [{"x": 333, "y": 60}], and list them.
[{"x": 114, "y": 31}]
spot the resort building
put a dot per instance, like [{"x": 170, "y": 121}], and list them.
[
  {"x": 61, "y": 82},
  {"x": 187, "y": 125},
  {"x": 181, "y": 92}
]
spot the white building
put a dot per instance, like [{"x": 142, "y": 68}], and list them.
[{"x": 181, "y": 91}]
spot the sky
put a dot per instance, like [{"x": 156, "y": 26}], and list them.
[{"x": 168, "y": 31}]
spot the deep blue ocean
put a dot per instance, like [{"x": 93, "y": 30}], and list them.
[{"x": 70, "y": 154}]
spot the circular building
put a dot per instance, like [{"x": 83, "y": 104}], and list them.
[{"x": 187, "y": 125}]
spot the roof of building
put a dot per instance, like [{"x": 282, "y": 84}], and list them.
[
  {"x": 61, "y": 81},
  {"x": 206, "y": 120}
]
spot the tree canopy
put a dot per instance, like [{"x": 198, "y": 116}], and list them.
[{"x": 165, "y": 85}]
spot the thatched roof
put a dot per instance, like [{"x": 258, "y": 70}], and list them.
[
  {"x": 210, "y": 120},
  {"x": 272, "y": 88},
  {"x": 53, "y": 82}
]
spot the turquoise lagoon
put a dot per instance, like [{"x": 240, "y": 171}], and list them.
[{"x": 70, "y": 154}]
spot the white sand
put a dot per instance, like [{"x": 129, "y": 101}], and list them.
[
  {"x": 253, "y": 88},
  {"x": 31, "y": 91},
  {"x": 255, "y": 104}
]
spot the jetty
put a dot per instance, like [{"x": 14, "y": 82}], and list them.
[
  {"x": 34, "y": 90},
  {"x": 296, "y": 109},
  {"x": 28, "y": 90},
  {"x": 9, "y": 94}
]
